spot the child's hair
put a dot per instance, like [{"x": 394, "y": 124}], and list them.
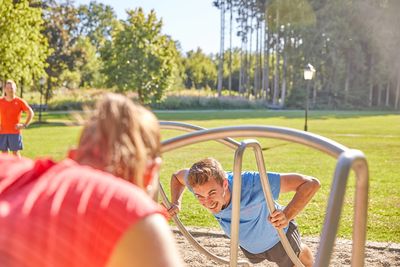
[{"x": 122, "y": 136}]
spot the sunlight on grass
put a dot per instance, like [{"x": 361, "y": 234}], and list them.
[{"x": 376, "y": 134}]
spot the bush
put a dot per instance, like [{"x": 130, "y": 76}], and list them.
[{"x": 181, "y": 102}]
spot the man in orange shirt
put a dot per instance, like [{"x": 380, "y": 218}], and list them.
[{"x": 11, "y": 108}]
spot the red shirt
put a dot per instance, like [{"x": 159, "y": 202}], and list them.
[
  {"x": 10, "y": 114},
  {"x": 64, "y": 214}
]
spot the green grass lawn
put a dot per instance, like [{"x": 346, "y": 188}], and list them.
[{"x": 377, "y": 134}]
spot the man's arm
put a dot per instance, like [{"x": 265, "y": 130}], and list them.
[
  {"x": 305, "y": 188},
  {"x": 29, "y": 117},
  {"x": 177, "y": 188}
]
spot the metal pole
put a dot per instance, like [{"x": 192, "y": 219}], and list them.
[
  {"x": 349, "y": 159},
  {"x": 306, "y": 109},
  {"x": 40, "y": 104}
]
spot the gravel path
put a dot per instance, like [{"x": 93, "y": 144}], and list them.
[{"x": 377, "y": 254}]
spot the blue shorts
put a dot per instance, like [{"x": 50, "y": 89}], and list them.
[{"x": 12, "y": 142}]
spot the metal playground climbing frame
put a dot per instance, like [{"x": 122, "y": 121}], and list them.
[{"x": 347, "y": 159}]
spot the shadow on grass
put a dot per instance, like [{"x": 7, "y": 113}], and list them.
[
  {"x": 202, "y": 115},
  {"x": 68, "y": 119},
  {"x": 42, "y": 124}
]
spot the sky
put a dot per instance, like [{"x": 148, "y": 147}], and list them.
[{"x": 194, "y": 23}]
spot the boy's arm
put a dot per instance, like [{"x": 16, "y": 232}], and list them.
[
  {"x": 177, "y": 188},
  {"x": 304, "y": 187}
]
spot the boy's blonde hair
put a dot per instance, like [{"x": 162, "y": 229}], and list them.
[
  {"x": 122, "y": 136},
  {"x": 203, "y": 170}
]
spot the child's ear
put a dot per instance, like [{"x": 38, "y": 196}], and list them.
[
  {"x": 72, "y": 153},
  {"x": 150, "y": 176}
]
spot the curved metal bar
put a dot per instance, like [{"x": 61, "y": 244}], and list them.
[
  {"x": 228, "y": 142},
  {"x": 191, "y": 239},
  {"x": 338, "y": 187},
  {"x": 235, "y": 198},
  {"x": 316, "y": 141},
  {"x": 174, "y": 125},
  {"x": 349, "y": 159},
  {"x": 237, "y": 182}
]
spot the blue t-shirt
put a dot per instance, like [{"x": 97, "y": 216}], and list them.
[{"x": 256, "y": 233}]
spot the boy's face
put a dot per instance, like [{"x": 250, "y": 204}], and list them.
[{"x": 212, "y": 195}]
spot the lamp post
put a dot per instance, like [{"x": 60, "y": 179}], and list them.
[
  {"x": 309, "y": 71},
  {"x": 41, "y": 83}
]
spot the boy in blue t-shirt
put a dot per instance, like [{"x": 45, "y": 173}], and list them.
[{"x": 258, "y": 238}]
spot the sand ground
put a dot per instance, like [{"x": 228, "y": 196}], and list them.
[{"x": 377, "y": 254}]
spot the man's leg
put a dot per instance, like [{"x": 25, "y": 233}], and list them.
[
  {"x": 254, "y": 258},
  {"x": 306, "y": 256},
  {"x": 16, "y": 153},
  {"x": 15, "y": 144},
  {"x": 3, "y": 143},
  {"x": 278, "y": 254}
]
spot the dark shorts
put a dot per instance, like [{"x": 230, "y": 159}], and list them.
[
  {"x": 277, "y": 253},
  {"x": 12, "y": 142}
]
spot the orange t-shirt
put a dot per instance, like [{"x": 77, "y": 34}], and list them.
[
  {"x": 10, "y": 114},
  {"x": 64, "y": 214}
]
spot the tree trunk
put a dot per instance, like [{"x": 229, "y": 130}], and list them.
[
  {"x": 243, "y": 87},
  {"x": 257, "y": 67},
  {"x": 371, "y": 93},
  {"x": 250, "y": 59},
  {"x": 47, "y": 95},
  {"x": 314, "y": 96},
  {"x": 276, "y": 72},
  {"x": 347, "y": 83},
  {"x": 387, "y": 94},
  {"x": 265, "y": 78},
  {"x": 230, "y": 47},
  {"x": 284, "y": 71},
  {"x": 22, "y": 89},
  {"x": 371, "y": 81},
  {"x": 221, "y": 50},
  {"x": 260, "y": 61},
  {"x": 396, "y": 101},
  {"x": 379, "y": 95}
]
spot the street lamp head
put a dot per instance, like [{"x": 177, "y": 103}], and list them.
[
  {"x": 42, "y": 81},
  {"x": 309, "y": 71}
]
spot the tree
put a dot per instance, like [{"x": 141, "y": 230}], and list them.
[
  {"x": 140, "y": 58},
  {"x": 96, "y": 21},
  {"x": 60, "y": 29},
  {"x": 201, "y": 72},
  {"x": 86, "y": 69},
  {"x": 23, "y": 50},
  {"x": 221, "y": 4}
]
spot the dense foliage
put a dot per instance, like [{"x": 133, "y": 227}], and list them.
[
  {"x": 23, "y": 49},
  {"x": 353, "y": 45},
  {"x": 140, "y": 58}
]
